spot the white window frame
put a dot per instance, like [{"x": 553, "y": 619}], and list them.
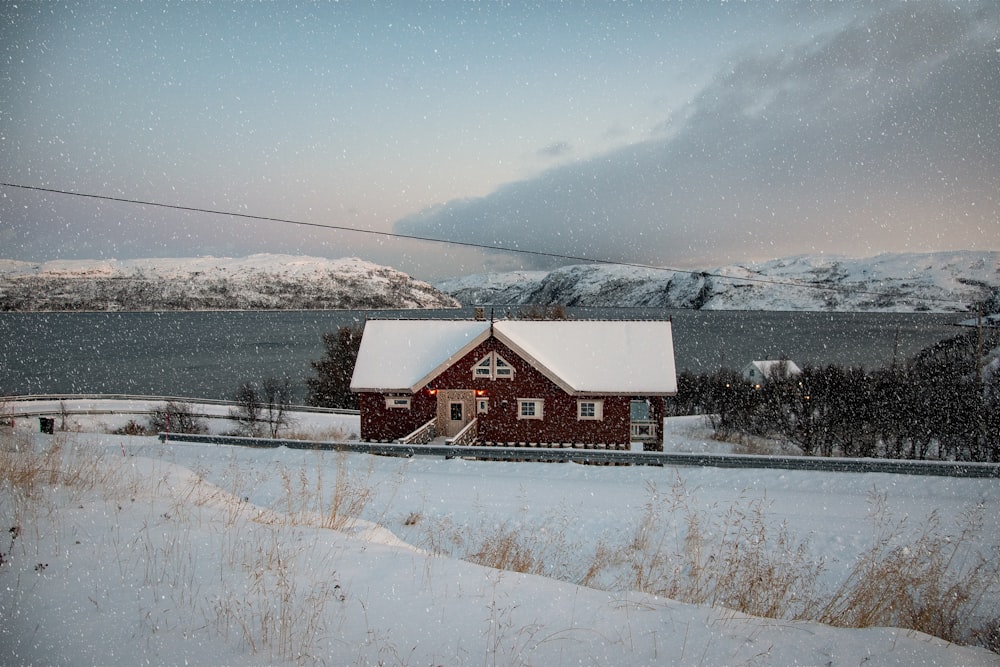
[
  {"x": 482, "y": 406},
  {"x": 538, "y": 408},
  {"x": 502, "y": 370},
  {"x": 484, "y": 364},
  {"x": 398, "y": 402},
  {"x": 502, "y": 367},
  {"x": 598, "y": 409}
]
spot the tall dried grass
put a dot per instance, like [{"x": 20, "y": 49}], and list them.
[
  {"x": 732, "y": 557},
  {"x": 262, "y": 603},
  {"x": 935, "y": 582}
]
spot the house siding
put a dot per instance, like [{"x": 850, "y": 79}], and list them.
[{"x": 500, "y": 425}]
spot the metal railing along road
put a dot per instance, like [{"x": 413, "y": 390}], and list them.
[
  {"x": 27, "y": 406},
  {"x": 618, "y": 457}
]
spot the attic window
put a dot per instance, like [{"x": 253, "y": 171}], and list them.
[
  {"x": 492, "y": 366},
  {"x": 501, "y": 368}
]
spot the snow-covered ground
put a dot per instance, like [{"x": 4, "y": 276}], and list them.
[{"x": 139, "y": 552}]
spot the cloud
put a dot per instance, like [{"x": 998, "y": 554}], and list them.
[
  {"x": 872, "y": 138},
  {"x": 555, "y": 149}
]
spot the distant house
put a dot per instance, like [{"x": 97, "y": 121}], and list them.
[
  {"x": 515, "y": 382},
  {"x": 760, "y": 372}
]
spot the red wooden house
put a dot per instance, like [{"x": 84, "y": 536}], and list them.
[{"x": 515, "y": 382}]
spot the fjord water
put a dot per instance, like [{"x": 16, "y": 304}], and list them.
[{"x": 209, "y": 354}]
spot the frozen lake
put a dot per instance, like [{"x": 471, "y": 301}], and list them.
[{"x": 209, "y": 354}]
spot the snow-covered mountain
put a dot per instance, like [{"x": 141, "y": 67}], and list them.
[
  {"x": 933, "y": 282},
  {"x": 266, "y": 282}
]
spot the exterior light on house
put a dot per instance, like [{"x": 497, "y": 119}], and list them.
[
  {"x": 480, "y": 392},
  {"x": 432, "y": 391}
]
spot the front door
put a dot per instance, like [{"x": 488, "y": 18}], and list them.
[{"x": 454, "y": 410}]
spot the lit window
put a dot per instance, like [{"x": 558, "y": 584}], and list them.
[
  {"x": 590, "y": 410},
  {"x": 529, "y": 408}
]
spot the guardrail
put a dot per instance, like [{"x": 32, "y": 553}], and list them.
[
  {"x": 618, "y": 457},
  {"x": 38, "y": 398}
]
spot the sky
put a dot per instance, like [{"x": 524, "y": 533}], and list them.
[{"x": 686, "y": 135}]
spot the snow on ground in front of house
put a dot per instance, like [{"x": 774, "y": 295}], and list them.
[{"x": 191, "y": 553}]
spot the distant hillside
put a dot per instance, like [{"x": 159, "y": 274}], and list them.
[
  {"x": 259, "y": 282},
  {"x": 933, "y": 282}
]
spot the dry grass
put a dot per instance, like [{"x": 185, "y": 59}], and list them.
[
  {"x": 934, "y": 582},
  {"x": 307, "y": 501},
  {"x": 264, "y": 603},
  {"x": 931, "y": 579},
  {"x": 730, "y": 557}
]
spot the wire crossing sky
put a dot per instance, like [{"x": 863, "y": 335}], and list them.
[
  {"x": 690, "y": 135},
  {"x": 844, "y": 289}
]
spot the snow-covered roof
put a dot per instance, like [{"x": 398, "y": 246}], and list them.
[
  {"x": 581, "y": 356},
  {"x": 403, "y": 355},
  {"x": 597, "y": 356}
]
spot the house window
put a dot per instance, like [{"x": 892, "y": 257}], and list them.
[
  {"x": 593, "y": 410},
  {"x": 402, "y": 402},
  {"x": 529, "y": 408},
  {"x": 501, "y": 368},
  {"x": 492, "y": 366},
  {"x": 485, "y": 367},
  {"x": 482, "y": 405}
]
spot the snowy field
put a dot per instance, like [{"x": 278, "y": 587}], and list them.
[{"x": 123, "y": 550}]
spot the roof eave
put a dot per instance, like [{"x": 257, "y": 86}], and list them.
[{"x": 381, "y": 390}]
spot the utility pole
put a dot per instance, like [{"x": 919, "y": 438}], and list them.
[
  {"x": 979, "y": 346},
  {"x": 895, "y": 348}
]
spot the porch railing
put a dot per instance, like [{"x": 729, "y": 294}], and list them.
[
  {"x": 421, "y": 436},
  {"x": 467, "y": 436},
  {"x": 643, "y": 430}
]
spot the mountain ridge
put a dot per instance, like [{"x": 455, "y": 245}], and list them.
[
  {"x": 892, "y": 282},
  {"x": 257, "y": 282}
]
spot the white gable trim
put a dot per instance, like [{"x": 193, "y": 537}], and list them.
[
  {"x": 534, "y": 363},
  {"x": 450, "y": 361}
]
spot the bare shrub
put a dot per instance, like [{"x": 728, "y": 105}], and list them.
[
  {"x": 176, "y": 417},
  {"x": 132, "y": 427}
]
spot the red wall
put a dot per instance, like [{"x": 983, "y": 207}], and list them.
[{"x": 500, "y": 424}]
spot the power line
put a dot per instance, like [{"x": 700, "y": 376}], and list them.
[{"x": 466, "y": 244}]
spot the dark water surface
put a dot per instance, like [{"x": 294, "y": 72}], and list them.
[{"x": 209, "y": 354}]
